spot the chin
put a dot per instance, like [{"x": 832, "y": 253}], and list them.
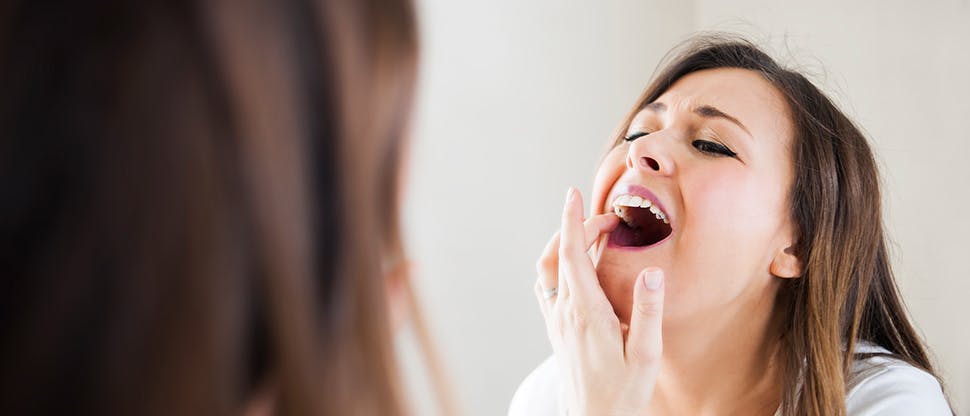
[{"x": 617, "y": 269}]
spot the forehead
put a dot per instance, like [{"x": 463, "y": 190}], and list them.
[{"x": 741, "y": 93}]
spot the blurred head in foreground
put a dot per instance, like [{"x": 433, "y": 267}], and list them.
[{"x": 198, "y": 205}]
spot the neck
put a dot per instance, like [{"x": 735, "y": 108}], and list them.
[{"x": 724, "y": 362}]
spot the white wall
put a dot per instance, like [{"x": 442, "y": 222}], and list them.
[{"x": 517, "y": 99}]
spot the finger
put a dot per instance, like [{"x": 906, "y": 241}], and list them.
[
  {"x": 597, "y": 225},
  {"x": 575, "y": 266},
  {"x": 593, "y": 228},
  {"x": 645, "y": 343},
  {"x": 548, "y": 265},
  {"x": 572, "y": 230},
  {"x": 576, "y": 269},
  {"x": 548, "y": 268},
  {"x": 571, "y": 239},
  {"x": 541, "y": 299}
]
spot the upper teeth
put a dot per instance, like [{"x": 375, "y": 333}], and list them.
[{"x": 623, "y": 201}]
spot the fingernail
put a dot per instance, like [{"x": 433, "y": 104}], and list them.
[
  {"x": 654, "y": 279},
  {"x": 569, "y": 194}
]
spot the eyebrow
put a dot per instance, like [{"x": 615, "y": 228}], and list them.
[{"x": 706, "y": 111}]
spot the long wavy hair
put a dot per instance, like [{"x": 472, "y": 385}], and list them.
[
  {"x": 188, "y": 214},
  {"x": 847, "y": 292}
]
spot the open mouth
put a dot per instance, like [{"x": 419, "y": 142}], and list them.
[{"x": 642, "y": 223}]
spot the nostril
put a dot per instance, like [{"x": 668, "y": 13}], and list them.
[{"x": 649, "y": 161}]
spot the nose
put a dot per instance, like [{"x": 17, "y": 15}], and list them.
[{"x": 648, "y": 155}]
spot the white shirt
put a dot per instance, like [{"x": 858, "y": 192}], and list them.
[{"x": 878, "y": 385}]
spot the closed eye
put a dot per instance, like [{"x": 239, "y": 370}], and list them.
[
  {"x": 713, "y": 148},
  {"x": 635, "y": 135}
]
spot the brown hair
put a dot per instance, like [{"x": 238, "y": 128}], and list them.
[
  {"x": 846, "y": 292},
  {"x": 187, "y": 210}
]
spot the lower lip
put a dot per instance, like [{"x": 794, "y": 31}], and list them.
[{"x": 613, "y": 245}]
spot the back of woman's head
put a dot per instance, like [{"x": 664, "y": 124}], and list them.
[
  {"x": 186, "y": 204},
  {"x": 846, "y": 292}
]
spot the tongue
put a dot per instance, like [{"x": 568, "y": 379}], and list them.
[
  {"x": 625, "y": 236},
  {"x": 647, "y": 230}
]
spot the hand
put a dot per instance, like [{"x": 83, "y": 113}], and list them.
[{"x": 604, "y": 373}]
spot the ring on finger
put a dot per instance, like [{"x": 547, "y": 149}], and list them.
[{"x": 551, "y": 293}]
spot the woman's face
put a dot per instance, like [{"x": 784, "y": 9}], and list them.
[{"x": 717, "y": 162}]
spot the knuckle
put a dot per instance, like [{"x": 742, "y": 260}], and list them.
[
  {"x": 564, "y": 251},
  {"x": 644, "y": 356},
  {"x": 545, "y": 263},
  {"x": 604, "y": 317},
  {"x": 557, "y": 325},
  {"x": 608, "y": 323},
  {"x": 585, "y": 318},
  {"x": 649, "y": 309},
  {"x": 578, "y": 318},
  {"x": 567, "y": 245}
]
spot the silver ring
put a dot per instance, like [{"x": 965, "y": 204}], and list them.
[{"x": 549, "y": 294}]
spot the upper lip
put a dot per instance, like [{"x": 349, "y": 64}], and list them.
[{"x": 638, "y": 190}]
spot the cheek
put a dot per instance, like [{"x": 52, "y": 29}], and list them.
[
  {"x": 733, "y": 205},
  {"x": 731, "y": 220},
  {"x": 608, "y": 173},
  {"x": 617, "y": 279}
]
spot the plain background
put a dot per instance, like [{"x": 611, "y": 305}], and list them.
[{"x": 518, "y": 98}]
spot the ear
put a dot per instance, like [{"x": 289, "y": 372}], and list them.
[{"x": 785, "y": 264}]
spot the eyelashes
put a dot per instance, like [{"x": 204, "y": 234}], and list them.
[
  {"x": 704, "y": 146},
  {"x": 633, "y": 136},
  {"x": 713, "y": 148}
]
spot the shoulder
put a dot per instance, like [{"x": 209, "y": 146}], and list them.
[
  {"x": 886, "y": 386},
  {"x": 538, "y": 395}
]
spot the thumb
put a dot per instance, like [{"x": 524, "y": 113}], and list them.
[{"x": 645, "y": 343}]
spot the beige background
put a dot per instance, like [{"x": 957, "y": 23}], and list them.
[{"x": 518, "y": 97}]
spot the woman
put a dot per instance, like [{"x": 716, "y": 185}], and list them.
[
  {"x": 739, "y": 210},
  {"x": 188, "y": 205}
]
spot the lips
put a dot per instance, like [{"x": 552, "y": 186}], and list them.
[
  {"x": 642, "y": 192},
  {"x": 644, "y": 220}
]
